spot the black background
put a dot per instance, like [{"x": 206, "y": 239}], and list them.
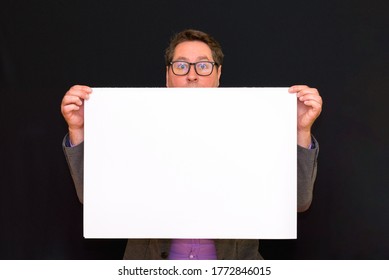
[{"x": 340, "y": 47}]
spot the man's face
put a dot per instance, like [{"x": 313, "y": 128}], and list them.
[{"x": 193, "y": 51}]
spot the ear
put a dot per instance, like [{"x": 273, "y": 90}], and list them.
[
  {"x": 167, "y": 76},
  {"x": 219, "y": 73}
]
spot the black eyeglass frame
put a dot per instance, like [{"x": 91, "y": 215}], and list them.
[{"x": 194, "y": 64}]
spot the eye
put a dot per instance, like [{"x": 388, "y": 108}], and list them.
[
  {"x": 203, "y": 65},
  {"x": 181, "y": 65}
]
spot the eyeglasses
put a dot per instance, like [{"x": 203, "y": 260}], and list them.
[{"x": 202, "y": 68}]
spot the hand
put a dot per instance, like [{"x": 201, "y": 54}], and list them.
[
  {"x": 309, "y": 106},
  {"x": 72, "y": 108}
]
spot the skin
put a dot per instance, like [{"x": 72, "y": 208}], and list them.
[{"x": 309, "y": 101}]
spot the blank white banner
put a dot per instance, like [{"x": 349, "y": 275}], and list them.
[{"x": 190, "y": 163}]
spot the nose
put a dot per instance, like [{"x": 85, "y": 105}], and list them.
[{"x": 192, "y": 75}]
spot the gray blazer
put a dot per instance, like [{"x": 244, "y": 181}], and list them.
[{"x": 226, "y": 249}]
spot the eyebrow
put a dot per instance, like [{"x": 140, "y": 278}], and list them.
[{"x": 199, "y": 58}]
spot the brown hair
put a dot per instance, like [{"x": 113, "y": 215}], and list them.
[{"x": 194, "y": 35}]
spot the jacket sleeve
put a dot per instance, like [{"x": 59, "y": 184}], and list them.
[
  {"x": 75, "y": 159},
  {"x": 306, "y": 175}
]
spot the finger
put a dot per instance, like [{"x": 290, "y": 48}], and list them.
[
  {"x": 308, "y": 93},
  {"x": 310, "y": 96},
  {"x": 71, "y": 99},
  {"x": 315, "y": 106},
  {"x": 69, "y": 108},
  {"x": 80, "y": 91},
  {"x": 297, "y": 88},
  {"x": 82, "y": 88},
  {"x": 303, "y": 90}
]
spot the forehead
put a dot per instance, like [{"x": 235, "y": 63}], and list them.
[{"x": 192, "y": 51}]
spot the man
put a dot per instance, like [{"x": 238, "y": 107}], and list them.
[{"x": 194, "y": 59}]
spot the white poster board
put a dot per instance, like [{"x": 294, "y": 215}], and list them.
[{"x": 190, "y": 163}]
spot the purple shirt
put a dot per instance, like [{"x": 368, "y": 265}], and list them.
[{"x": 192, "y": 249}]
